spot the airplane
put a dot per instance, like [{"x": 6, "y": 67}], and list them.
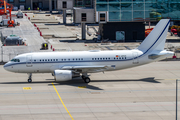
[{"x": 65, "y": 66}]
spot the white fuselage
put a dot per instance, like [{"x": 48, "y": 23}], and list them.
[
  {"x": 67, "y": 65},
  {"x": 47, "y": 62}
]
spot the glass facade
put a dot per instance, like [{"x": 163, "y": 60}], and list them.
[
  {"x": 83, "y": 3},
  {"x": 140, "y": 10}
]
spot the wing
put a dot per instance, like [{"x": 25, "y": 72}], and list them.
[{"x": 85, "y": 68}]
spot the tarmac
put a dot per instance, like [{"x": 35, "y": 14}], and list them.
[{"x": 141, "y": 93}]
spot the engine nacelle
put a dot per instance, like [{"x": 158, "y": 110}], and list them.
[{"x": 63, "y": 75}]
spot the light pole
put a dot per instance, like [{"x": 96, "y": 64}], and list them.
[{"x": 177, "y": 98}]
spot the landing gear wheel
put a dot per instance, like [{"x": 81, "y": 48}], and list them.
[
  {"x": 83, "y": 77},
  {"x": 29, "y": 80},
  {"x": 87, "y": 79},
  {"x": 30, "y": 77}
]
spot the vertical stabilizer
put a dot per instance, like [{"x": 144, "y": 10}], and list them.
[{"x": 157, "y": 37}]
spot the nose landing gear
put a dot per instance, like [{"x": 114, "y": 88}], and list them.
[{"x": 30, "y": 78}]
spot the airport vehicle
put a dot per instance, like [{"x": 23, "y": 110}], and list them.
[
  {"x": 5, "y": 7},
  {"x": 11, "y": 23},
  {"x": 67, "y": 65},
  {"x": 44, "y": 46},
  {"x": 175, "y": 29},
  {"x": 4, "y": 22},
  {"x": 13, "y": 40},
  {"x": 19, "y": 14},
  {"x": 147, "y": 31}
]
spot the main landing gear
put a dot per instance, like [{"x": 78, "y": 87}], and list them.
[
  {"x": 30, "y": 78},
  {"x": 86, "y": 79}
]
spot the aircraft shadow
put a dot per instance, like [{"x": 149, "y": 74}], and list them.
[
  {"x": 25, "y": 82},
  {"x": 150, "y": 80},
  {"x": 80, "y": 83},
  {"x": 75, "y": 83}
]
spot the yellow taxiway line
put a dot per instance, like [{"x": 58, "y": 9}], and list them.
[
  {"x": 62, "y": 101},
  {"x": 27, "y": 88}
]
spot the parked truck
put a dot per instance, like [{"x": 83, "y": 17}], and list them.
[{"x": 4, "y": 22}]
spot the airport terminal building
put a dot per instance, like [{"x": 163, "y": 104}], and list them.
[
  {"x": 138, "y": 10},
  {"x": 114, "y": 10},
  {"x": 34, "y": 4},
  {"x": 51, "y": 4},
  {"x": 127, "y": 18}
]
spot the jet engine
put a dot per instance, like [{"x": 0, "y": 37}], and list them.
[{"x": 62, "y": 75}]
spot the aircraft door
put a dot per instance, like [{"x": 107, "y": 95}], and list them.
[
  {"x": 135, "y": 58},
  {"x": 29, "y": 61}
]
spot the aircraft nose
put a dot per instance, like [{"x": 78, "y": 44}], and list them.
[{"x": 6, "y": 67}]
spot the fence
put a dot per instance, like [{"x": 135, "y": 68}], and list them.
[{"x": 7, "y": 57}]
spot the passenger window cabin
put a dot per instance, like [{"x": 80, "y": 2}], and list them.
[{"x": 80, "y": 59}]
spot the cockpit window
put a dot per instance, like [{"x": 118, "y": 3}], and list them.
[{"x": 15, "y": 60}]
